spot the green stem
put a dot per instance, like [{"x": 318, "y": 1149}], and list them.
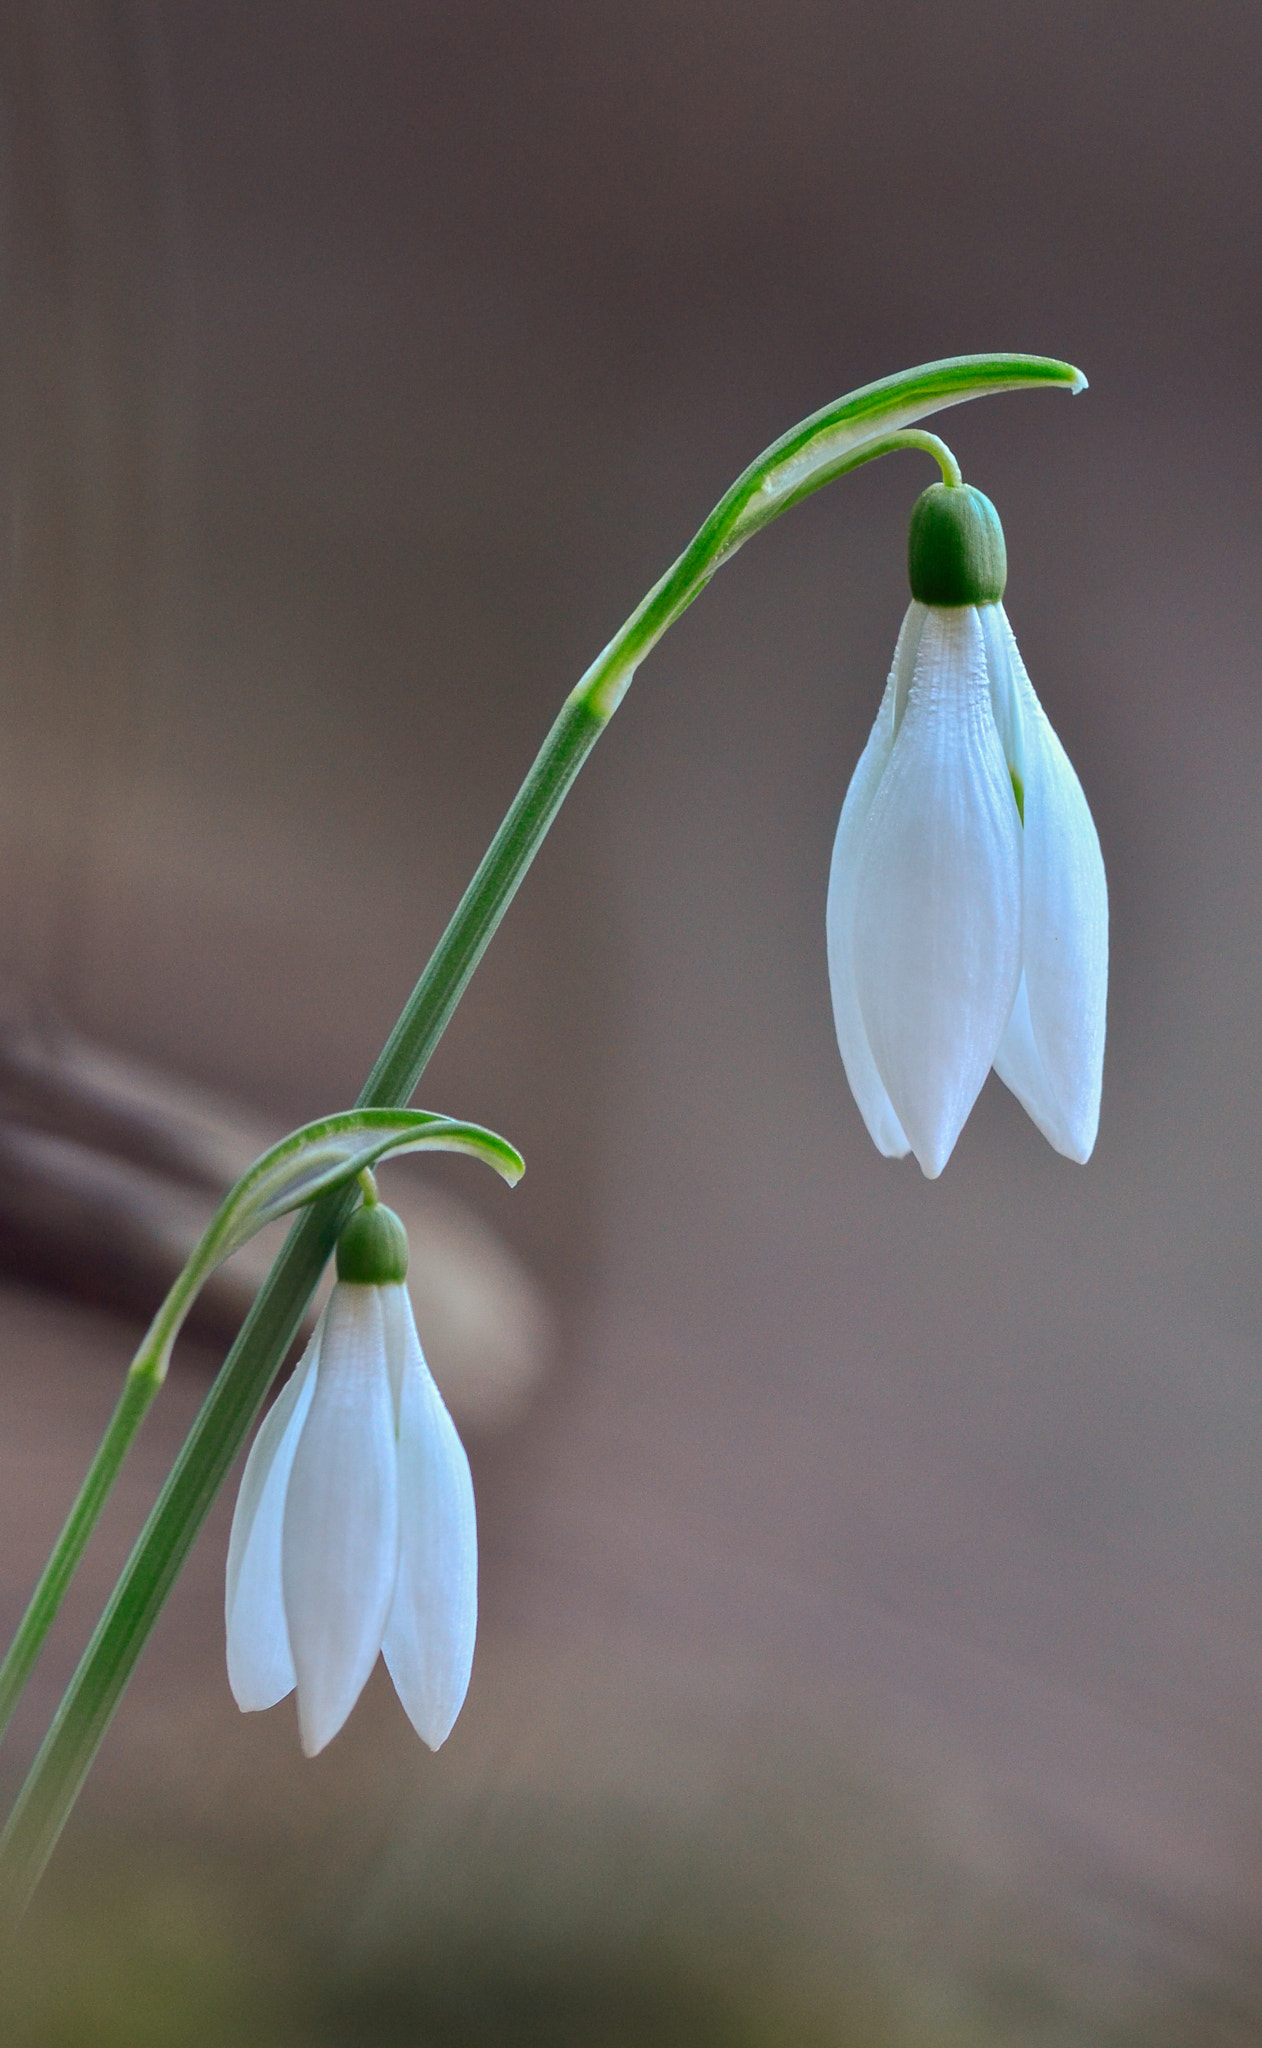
[
  {"x": 130, "y": 1412},
  {"x": 145, "y": 1376},
  {"x": 867, "y": 423},
  {"x": 928, "y": 444}
]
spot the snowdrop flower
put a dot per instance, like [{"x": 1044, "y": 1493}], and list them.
[
  {"x": 967, "y": 907},
  {"x": 354, "y": 1529}
]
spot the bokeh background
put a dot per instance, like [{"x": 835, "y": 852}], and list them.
[{"x": 872, "y": 1637}]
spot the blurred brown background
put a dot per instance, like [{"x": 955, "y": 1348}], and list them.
[{"x": 872, "y": 1641}]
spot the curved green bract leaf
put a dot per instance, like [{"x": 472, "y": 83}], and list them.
[
  {"x": 310, "y": 1162},
  {"x": 837, "y": 438},
  {"x": 326, "y": 1154},
  {"x": 821, "y": 447}
]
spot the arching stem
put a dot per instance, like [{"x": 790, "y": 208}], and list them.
[{"x": 867, "y": 423}]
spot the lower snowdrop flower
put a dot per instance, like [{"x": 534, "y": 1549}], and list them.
[
  {"x": 967, "y": 906},
  {"x": 354, "y": 1529}
]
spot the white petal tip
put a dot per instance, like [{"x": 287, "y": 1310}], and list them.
[
  {"x": 316, "y": 1733},
  {"x": 253, "y": 1698},
  {"x": 932, "y": 1158},
  {"x": 433, "y": 1709},
  {"x": 436, "y": 1734},
  {"x": 260, "y": 1668},
  {"x": 935, "y": 1147},
  {"x": 1076, "y": 1150}
]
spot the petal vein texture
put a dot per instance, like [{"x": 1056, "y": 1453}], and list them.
[
  {"x": 937, "y": 924},
  {"x": 866, "y": 1085},
  {"x": 429, "y": 1635},
  {"x": 1052, "y": 1054},
  {"x": 260, "y": 1663},
  {"x": 341, "y": 1527}
]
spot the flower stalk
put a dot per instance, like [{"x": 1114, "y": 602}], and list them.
[{"x": 872, "y": 421}]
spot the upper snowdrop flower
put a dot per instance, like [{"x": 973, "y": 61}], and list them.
[
  {"x": 354, "y": 1529},
  {"x": 967, "y": 907}
]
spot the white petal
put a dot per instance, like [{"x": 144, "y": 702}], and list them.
[
  {"x": 1004, "y": 698},
  {"x": 260, "y": 1667},
  {"x": 1019, "y": 1066},
  {"x": 340, "y": 1551},
  {"x": 866, "y": 1085},
  {"x": 428, "y": 1643},
  {"x": 1053, "y": 1058},
  {"x": 937, "y": 943}
]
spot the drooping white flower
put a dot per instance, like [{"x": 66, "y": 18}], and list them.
[
  {"x": 354, "y": 1529},
  {"x": 967, "y": 905}
]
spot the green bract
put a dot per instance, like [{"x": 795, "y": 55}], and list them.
[
  {"x": 373, "y": 1248},
  {"x": 955, "y": 547}
]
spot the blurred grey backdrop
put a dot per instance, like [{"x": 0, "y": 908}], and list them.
[{"x": 881, "y": 1561}]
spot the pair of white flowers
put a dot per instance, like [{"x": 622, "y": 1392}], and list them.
[
  {"x": 967, "y": 928},
  {"x": 967, "y": 906}
]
